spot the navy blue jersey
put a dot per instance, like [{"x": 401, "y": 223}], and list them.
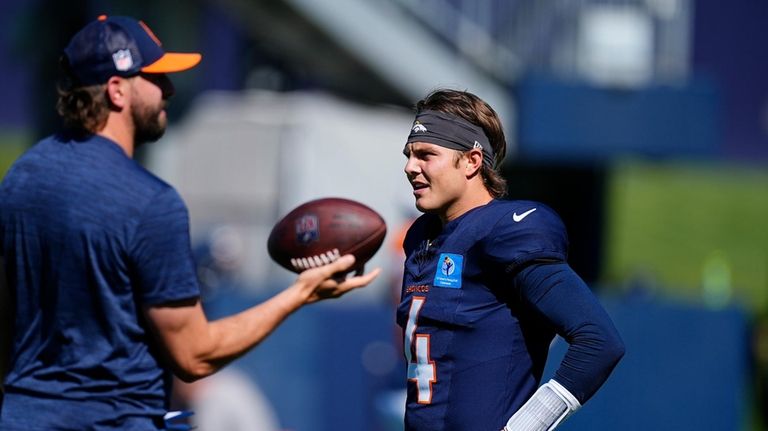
[
  {"x": 88, "y": 237},
  {"x": 476, "y": 353}
]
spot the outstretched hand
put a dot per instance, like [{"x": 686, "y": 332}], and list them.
[{"x": 331, "y": 280}]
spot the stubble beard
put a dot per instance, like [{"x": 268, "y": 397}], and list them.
[{"x": 149, "y": 124}]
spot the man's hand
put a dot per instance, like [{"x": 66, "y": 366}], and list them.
[
  {"x": 330, "y": 281},
  {"x": 197, "y": 348}
]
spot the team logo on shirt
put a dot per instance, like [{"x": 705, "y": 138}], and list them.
[
  {"x": 448, "y": 272},
  {"x": 307, "y": 229}
]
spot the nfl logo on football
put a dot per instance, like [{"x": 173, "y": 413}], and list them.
[{"x": 306, "y": 229}]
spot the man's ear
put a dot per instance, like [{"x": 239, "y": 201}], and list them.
[
  {"x": 474, "y": 161},
  {"x": 118, "y": 92}
]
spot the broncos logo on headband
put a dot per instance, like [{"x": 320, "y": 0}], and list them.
[{"x": 418, "y": 128}]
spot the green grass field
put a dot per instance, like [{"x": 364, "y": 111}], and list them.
[
  {"x": 11, "y": 147},
  {"x": 699, "y": 231}
]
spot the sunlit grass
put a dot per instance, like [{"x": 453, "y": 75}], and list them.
[
  {"x": 687, "y": 226},
  {"x": 12, "y": 144}
]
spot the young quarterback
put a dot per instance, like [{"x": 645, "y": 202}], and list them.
[{"x": 487, "y": 286}]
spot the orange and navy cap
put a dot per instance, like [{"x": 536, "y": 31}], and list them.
[{"x": 120, "y": 46}]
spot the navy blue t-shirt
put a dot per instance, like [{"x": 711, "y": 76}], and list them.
[
  {"x": 88, "y": 237},
  {"x": 475, "y": 351}
]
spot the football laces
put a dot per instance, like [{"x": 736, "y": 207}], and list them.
[{"x": 321, "y": 259}]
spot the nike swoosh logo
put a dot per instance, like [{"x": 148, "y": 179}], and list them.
[{"x": 519, "y": 218}]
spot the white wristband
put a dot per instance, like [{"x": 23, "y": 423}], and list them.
[{"x": 547, "y": 408}]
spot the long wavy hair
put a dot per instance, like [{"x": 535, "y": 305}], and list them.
[{"x": 82, "y": 108}]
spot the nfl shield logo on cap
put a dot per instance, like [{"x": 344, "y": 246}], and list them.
[{"x": 123, "y": 60}]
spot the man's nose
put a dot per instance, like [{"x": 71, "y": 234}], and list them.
[{"x": 411, "y": 167}]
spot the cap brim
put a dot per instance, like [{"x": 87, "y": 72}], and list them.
[{"x": 173, "y": 62}]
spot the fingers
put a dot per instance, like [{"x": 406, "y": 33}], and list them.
[
  {"x": 334, "y": 288},
  {"x": 360, "y": 270},
  {"x": 330, "y": 281},
  {"x": 341, "y": 264},
  {"x": 360, "y": 280},
  {"x": 334, "y": 270}
]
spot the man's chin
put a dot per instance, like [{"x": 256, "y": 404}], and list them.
[
  {"x": 148, "y": 138},
  {"x": 423, "y": 207}
]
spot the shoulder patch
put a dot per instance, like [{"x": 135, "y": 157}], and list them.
[{"x": 448, "y": 271}]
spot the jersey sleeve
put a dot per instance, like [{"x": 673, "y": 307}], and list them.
[
  {"x": 528, "y": 233},
  {"x": 161, "y": 255},
  {"x": 557, "y": 294}
]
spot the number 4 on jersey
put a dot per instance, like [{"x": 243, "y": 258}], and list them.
[{"x": 423, "y": 370}]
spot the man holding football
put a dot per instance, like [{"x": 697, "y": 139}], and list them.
[
  {"x": 487, "y": 286},
  {"x": 102, "y": 300}
]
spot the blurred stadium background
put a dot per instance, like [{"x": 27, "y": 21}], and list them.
[{"x": 644, "y": 123}]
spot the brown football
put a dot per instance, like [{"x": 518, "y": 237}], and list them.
[{"x": 320, "y": 231}]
